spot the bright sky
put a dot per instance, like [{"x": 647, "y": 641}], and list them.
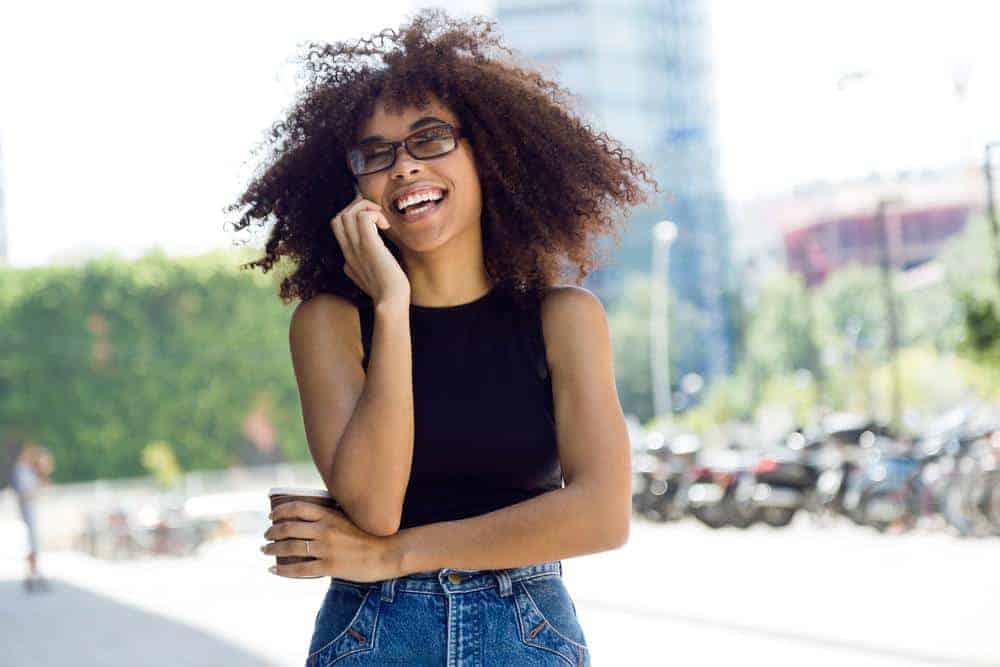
[{"x": 124, "y": 127}]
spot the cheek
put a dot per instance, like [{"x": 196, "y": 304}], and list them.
[{"x": 469, "y": 182}]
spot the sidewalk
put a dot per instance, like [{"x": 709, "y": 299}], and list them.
[
  {"x": 157, "y": 611},
  {"x": 676, "y": 593},
  {"x": 74, "y": 626}
]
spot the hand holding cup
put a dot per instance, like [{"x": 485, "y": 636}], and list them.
[{"x": 314, "y": 538}]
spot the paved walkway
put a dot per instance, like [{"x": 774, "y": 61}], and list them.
[
  {"x": 676, "y": 594},
  {"x": 70, "y": 625}
]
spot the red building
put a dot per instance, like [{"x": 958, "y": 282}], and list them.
[
  {"x": 914, "y": 236},
  {"x": 822, "y": 227}
]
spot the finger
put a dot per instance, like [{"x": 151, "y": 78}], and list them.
[
  {"x": 373, "y": 219},
  {"x": 346, "y": 247},
  {"x": 298, "y": 509},
  {"x": 355, "y": 206},
  {"x": 353, "y": 276},
  {"x": 367, "y": 205},
  {"x": 351, "y": 230},
  {"x": 337, "y": 225},
  {"x": 311, "y": 568},
  {"x": 296, "y": 547},
  {"x": 370, "y": 237},
  {"x": 360, "y": 205},
  {"x": 291, "y": 529}
]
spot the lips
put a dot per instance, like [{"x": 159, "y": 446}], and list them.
[
  {"x": 422, "y": 210},
  {"x": 416, "y": 188}
]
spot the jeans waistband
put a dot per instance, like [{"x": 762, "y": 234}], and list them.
[{"x": 448, "y": 581}]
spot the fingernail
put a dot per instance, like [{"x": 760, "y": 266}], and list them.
[{"x": 273, "y": 569}]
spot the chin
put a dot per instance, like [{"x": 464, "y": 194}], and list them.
[{"x": 424, "y": 238}]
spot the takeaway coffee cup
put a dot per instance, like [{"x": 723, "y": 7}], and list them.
[{"x": 284, "y": 494}]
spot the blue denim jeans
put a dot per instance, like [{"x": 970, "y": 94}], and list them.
[{"x": 451, "y": 618}]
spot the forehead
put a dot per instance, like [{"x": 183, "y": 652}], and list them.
[{"x": 397, "y": 124}]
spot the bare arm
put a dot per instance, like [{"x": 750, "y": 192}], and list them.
[{"x": 359, "y": 429}]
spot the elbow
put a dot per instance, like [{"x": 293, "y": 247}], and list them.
[
  {"x": 370, "y": 513},
  {"x": 621, "y": 527},
  {"x": 379, "y": 521},
  {"x": 619, "y": 538},
  {"x": 623, "y": 538},
  {"x": 614, "y": 516},
  {"x": 385, "y": 528},
  {"x": 615, "y": 529}
]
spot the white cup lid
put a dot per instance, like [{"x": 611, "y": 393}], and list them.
[{"x": 298, "y": 491}]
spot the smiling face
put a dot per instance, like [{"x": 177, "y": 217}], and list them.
[{"x": 454, "y": 219}]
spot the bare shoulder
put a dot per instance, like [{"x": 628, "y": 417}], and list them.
[
  {"x": 321, "y": 309},
  {"x": 573, "y": 321},
  {"x": 562, "y": 302},
  {"x": 325, "y": 317}
]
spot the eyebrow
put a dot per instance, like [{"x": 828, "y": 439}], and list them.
[{"x": 420, "y": 122}]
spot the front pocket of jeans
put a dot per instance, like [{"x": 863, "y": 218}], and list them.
[
  {"x": 345, "y": 624},
  {"x": 547, "y": 619}
]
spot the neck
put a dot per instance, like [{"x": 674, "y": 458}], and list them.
[
  {"x": 448, "y": 286},
  {"x": 450, "y": 275}
]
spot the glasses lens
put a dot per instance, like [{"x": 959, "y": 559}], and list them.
[
  {"x": 432, "y": 142},
  {"x": 370, "y": 157},
  {"x": 427, "y": 143}
]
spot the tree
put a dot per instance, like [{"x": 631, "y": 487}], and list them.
[
  {"x": 102, "y": 358},
  {"x": 780, "y": 333},
  {"x": 630, "y": 334}
]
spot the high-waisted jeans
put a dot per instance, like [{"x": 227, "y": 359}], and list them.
[{"x": 451, "y": 618}]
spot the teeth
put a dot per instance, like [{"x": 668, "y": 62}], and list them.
[{"x": 429, "y": 195}]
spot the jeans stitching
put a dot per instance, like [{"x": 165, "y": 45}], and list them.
[
  {"x": 520, "y": 633},
  {"x": 354, "y": 618},
  {"x": 547, "y": 622},
  {"x": 401, "y": 588}
]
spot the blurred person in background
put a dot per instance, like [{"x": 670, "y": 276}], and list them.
[{"x": 30, "y": 473}]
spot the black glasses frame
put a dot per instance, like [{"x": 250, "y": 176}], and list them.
[{"x": 456, "y": 133}]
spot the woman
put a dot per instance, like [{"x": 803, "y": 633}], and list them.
[
  {"x": 31, "y": 471},
  {"x": 449, "y": 382}
]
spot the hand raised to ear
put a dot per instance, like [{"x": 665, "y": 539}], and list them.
[{"x": 367, "y": 260}]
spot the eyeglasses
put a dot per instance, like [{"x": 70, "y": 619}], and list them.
[{"x": 429, "y": 142}]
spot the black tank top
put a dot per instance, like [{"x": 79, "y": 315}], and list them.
[{"x": 484, "y": 427}]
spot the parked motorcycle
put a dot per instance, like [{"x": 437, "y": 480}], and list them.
[
  {"x": 659, "y": 479},
  {"x": 717, "y": 491},
  {"x": 784, "y": 482}
]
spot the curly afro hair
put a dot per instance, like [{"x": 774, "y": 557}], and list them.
[{"x": 551, "y": 185}]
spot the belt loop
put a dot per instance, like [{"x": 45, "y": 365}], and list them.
[
  {"x": 560, "y": 567},
  {"x": 504, "y": 580},
  {"x": 389, "y": 590}
]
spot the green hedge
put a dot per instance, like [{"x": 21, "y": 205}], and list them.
[{"x": 101, "y": 359}]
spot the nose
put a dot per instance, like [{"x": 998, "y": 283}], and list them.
[{"x": 405, "y": 163}]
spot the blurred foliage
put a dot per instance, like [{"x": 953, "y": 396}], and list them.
[
  {"x": 982, "y": 326},
  {"x": 102, "y": 358},
  {"x": 809, "y": 351},
  {"x": 158, "y": 458},
  {"x": 630, "y": 333},
  {"x": 779, "y": 336},
  {"x": 971, "y": 271}
]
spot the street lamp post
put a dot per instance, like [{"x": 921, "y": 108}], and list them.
[
  {"x": 664, "y": 233},
  {"x": 991, "y": 206},
  {"x": 891, "y": 310}
]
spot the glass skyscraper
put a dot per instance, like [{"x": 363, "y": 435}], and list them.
[{"x": 642, "y": 70}]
